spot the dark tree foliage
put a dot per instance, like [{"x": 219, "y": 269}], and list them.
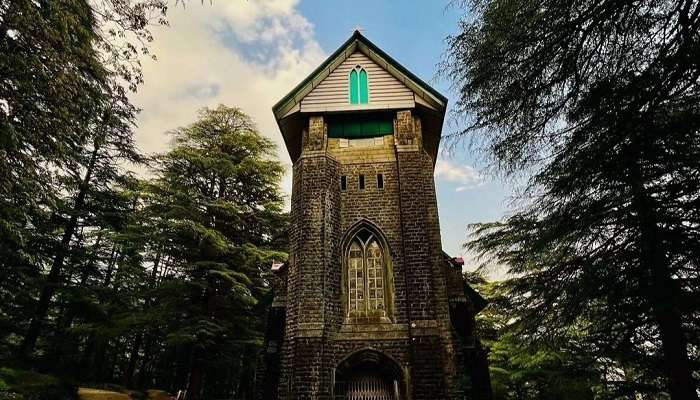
[
  {"x": 522, "y": 365},
  {"x": 216, "y": 206},
  {"x": 164, "y": 281},
  {"x": 106, "y": 279},
  {"x": 49, "y": 73},
  {"x": 65, "y": 128},
  {"x": 599, "y": 103}
]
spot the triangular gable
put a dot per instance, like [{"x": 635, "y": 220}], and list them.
[
  {"x": 385, "y": 90},
  {"x": 358, "y": 48}
]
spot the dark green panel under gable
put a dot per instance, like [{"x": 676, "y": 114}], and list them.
[
  {"x": 386, "y": 127},
  {"x": 360, "y": 129},
  {"x": 353, "y": 129},
  {"x": 370, "y": 127}
]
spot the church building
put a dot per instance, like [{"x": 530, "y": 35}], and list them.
[{"x": 367, "y": 306}]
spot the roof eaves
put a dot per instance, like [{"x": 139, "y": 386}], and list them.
[
  {"x": 317, "y": 71},
  {"x": 401, "y": 68}
]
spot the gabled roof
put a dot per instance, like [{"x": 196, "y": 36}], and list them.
[
  {"x": 359, "y": 42},
  {"x": 476, "y": 298}
]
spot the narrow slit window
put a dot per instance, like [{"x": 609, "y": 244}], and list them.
[
  {"x": 380, "y": 181},
  {"x": 362, "y": 182},
  {"x": 343, "y": 183}
]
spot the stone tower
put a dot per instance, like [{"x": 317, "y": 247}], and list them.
[{"x": 367, "y": 306}]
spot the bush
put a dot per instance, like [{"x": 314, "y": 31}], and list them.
[{"x": 28, "y": 385}]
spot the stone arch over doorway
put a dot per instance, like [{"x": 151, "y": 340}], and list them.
[{"x": 369, "y": 375}]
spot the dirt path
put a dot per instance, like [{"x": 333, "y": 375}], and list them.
[{"x": 97, "y": 394}]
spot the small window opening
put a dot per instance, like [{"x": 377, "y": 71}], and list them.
[
  {"x": 380, "y": 181},
  {"x": 343, "y": 183},
  {"x": 362, "y": 182}
]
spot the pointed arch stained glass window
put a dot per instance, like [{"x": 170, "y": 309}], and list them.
[
  {"x": 366, "y": 278},
  {"x": 358, "y": 86},
  {"x": 364, "y": 90}
]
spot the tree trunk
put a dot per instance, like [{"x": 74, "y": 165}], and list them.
[
  {"x": 116, "y": 360},
  {"x": 89, "y": 267},
  {"x": 143, "y": 377},
  {"x": 84, "y": 275},
  {"x": 675, "y": 346},
  {"x": 663, "y": 293},
  {"x": 129, "y": 372},
  {"x": 113, "y": 260},
  {"x": 247, "y": 376},
  {"x": 668, "y": 318},
  {"x": 198, "y": 359},
  {"x": 98, "y": 364},
  {"x": 94, "y": 349},
  {"x": 182, "y": 363},
  {"x": 195, "y": 383},
  {"x": 54, "y": 277},
  {"x": 133, "y": 358}
]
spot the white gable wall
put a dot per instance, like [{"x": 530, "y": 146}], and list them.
[{"x": 385, "y": 91}]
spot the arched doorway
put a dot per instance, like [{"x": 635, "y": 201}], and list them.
[{"x": 369, "y": 375}]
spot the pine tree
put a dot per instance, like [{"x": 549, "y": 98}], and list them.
[
  {"x": 597, "y": 102},
  {"x": 50, "y": 74},
  {"x": 216, "y": 200},
  {"x": 62, "y": 109}
]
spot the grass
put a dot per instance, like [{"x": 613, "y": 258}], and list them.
[{"x": 29, "y": 385}]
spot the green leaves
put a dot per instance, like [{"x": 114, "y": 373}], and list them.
[
  {"x": 596, "y": 104},
  {"x": 215, "y": 206},
  {"x": 104, "y": 277},
  {"x": 525, "y": 365}
]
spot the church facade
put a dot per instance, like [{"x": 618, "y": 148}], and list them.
[{"x": 367, "y": 306}]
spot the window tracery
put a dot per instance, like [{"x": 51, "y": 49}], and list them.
[{"x": 366, "y": 277}]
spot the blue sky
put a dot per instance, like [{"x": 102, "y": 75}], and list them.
[{"x": 250, "y": 53}]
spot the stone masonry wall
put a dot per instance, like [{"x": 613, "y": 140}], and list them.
[
  {"x": 317, "y": 335},
  {"x": 312, "y": 253}
]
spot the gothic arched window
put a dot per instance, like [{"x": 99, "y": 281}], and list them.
[
  {"x": 358, "y": 86},
  {"x": 366, "y": 277}
]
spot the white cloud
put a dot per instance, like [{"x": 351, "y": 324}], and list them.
[
  {"x": 465, "y": 176},
  {"x": 240, "y": 53}
]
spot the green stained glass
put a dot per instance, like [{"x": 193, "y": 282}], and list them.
[
  {"x": 353, "y": 86},
  {"x": 364, "y": 90},
  {"x": 358, "y": 86}
]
